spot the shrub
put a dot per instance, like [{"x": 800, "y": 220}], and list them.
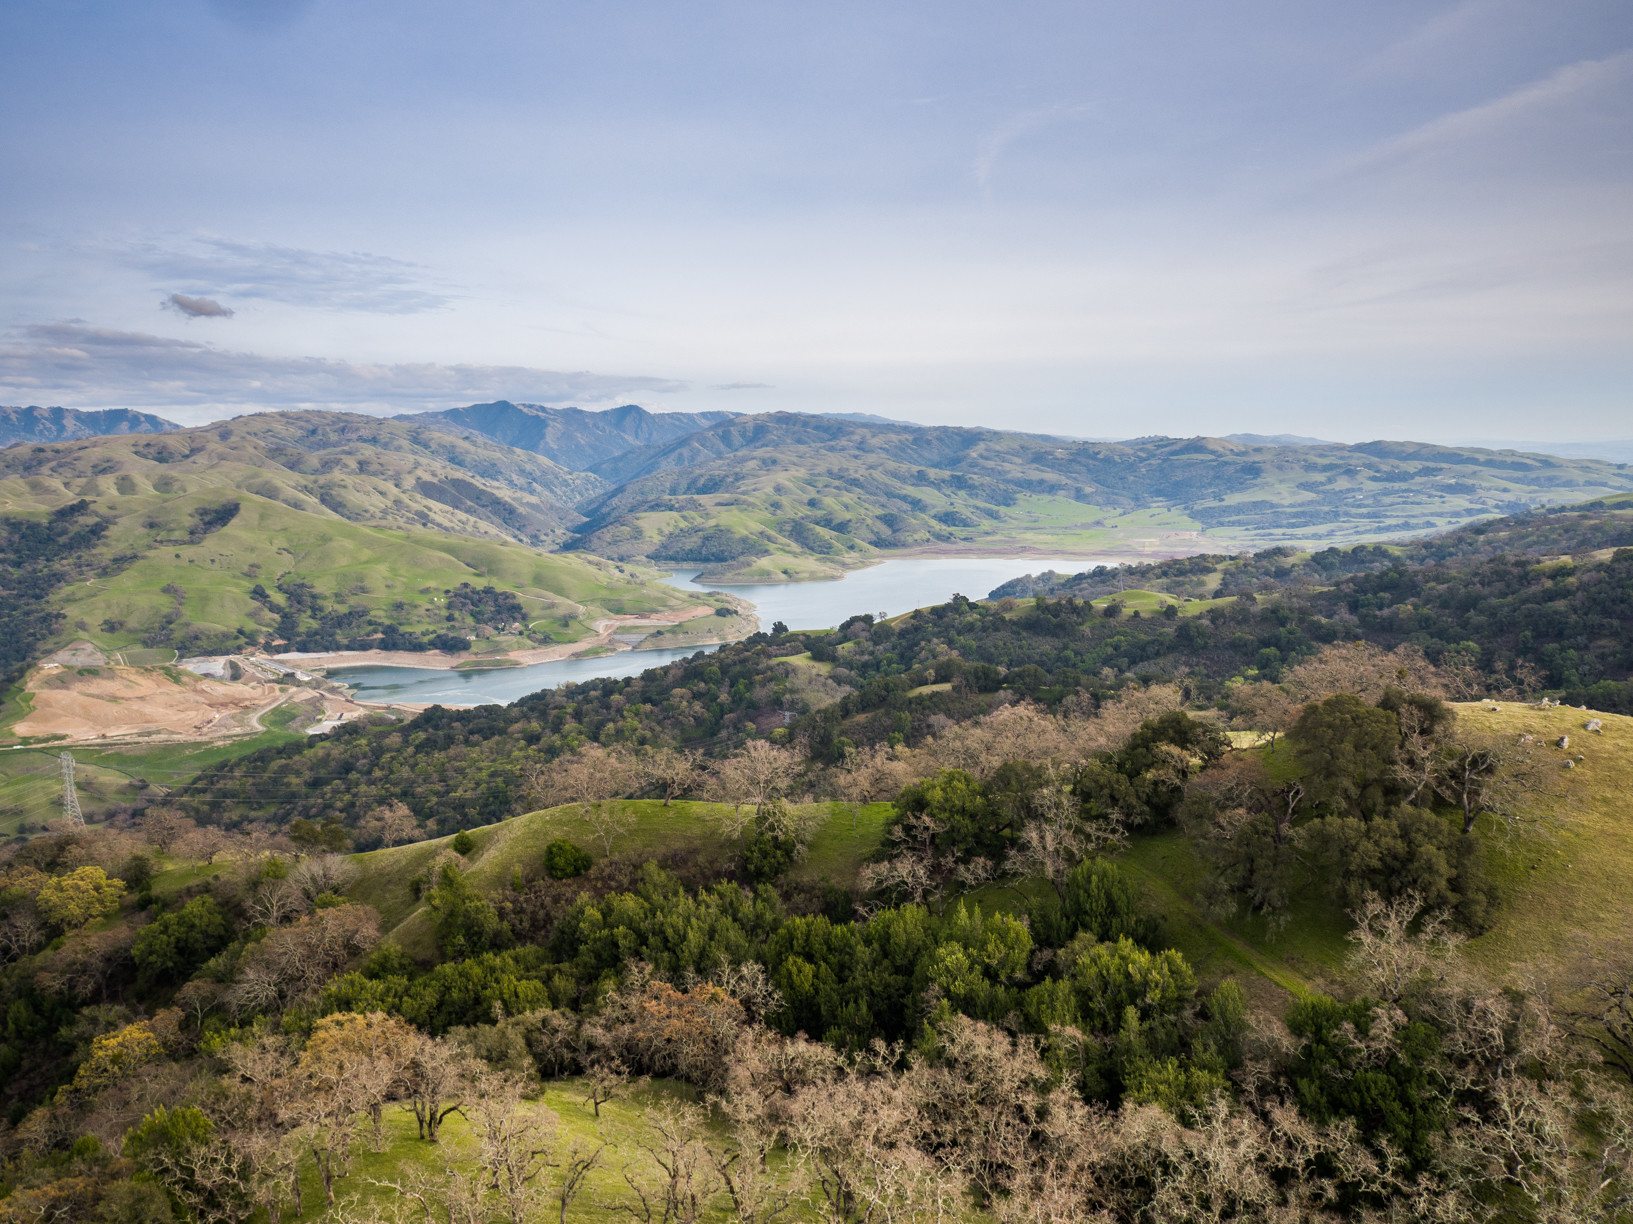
[
  {"x": 565, "y": 860},
  {"x": 463, "y": 843}
]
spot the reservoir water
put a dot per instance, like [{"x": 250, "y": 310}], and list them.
[{"x": 891, "y": 587}]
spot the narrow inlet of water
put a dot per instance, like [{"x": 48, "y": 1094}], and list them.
[{"x": 890, "y": 587}]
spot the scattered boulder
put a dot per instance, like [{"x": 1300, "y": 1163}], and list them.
[
  {"x": 1563, "y": 741},
  {"x": 1594, "y": 724},
  {"x": 1569, "y": 764}
]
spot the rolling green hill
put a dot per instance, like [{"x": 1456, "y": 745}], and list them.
[
  {"x": 748, "y": 494},
  {"x": 318, "y": 529}
]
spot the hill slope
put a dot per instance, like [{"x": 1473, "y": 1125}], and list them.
[
  {"x": 35, "y": 424},
  {"x": 788, "y": 485},
  {"x": 572, "y": 437},
  {"x": 319, "y": 529}
]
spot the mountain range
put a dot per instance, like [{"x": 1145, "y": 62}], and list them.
[
  {"x": 35, "y": 424},
  {"x": 561, "y": 501},
  {"x": 572, "y": 437}
]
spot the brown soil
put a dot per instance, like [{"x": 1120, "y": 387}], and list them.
[{"x": 100, "y": 703}]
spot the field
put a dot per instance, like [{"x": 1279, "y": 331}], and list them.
[{"x": 31, "y": 778}]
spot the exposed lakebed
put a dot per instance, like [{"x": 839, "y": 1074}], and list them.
[{"x": 891, "y": 587}]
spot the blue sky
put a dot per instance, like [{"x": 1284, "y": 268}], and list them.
[{"x": 1102, "y": 219}]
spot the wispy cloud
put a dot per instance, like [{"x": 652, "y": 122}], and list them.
[
  {"x": 1006, "y": 134},
  {"x": 84, "y": 366},
  {"x": 331, "y": 280},
  {"x": 1561, "y": 88},
  {"x": 740, "y": 386},
  {"x": 197, "y": 307}
]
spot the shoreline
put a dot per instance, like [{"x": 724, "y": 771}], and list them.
[
  {"x": 1119, "y": 553},
  {"x": 607, "y": 628}
]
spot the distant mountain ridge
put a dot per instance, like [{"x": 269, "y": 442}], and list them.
[
  {"x": 572, "y": 437},
  {"x": 36, "y": 424}
]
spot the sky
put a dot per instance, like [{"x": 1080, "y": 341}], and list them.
[{"x": 1097, "y": 218}]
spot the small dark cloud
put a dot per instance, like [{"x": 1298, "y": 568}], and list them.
[
  {"x": 198, "y": 307},
  {"x": 741, "y": 387},
  {"x": 326, "y": 280}
]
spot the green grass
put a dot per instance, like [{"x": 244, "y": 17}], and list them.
[
  {"x": 31, "y": 778},
  {"x": 836, "y": 852},
  {"x": 622, "y": 1125},
  {"x": 1562, "y": 883}
]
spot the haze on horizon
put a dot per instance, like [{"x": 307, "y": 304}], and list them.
[{"x": 1348, "y": 221}]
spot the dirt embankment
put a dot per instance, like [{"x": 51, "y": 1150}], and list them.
[{"x": 93, "y": 703}]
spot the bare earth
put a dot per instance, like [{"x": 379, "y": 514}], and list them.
[{"x": 114, "y": 702}]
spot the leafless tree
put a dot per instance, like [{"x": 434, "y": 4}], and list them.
[
  {"x": 392, "y": 824},
  {"x": 606, "y": 1079},
  {"x": 680, "y": 1182},
  {"x": 1489, "y": 774},
  {"x": 323, "y": 873},
  {"x": 273, "y": 902},
  {"x": 22, "y": 932},
  {"x": 1059, "y": 836},
  {"x": 164, "y": 826},
  {"x": 1597, "y": 1007},
  {"x": 435, "y": 1081},
  {"x": 295, "y": 961},
  {"x": 592, "y": 774},
  {"x": 518, "y": 1145},
  {"x": 673, "y": 771},
  {"x": 758, "y": 773},
  {"x": 608, "y": 820}
]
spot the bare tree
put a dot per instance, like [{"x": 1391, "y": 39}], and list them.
[
  {"x": 674, "y": 772},
  {"x": 608, "y": 820},
  {"x": 393, "y": 824},
  {"x": 372, "y": 1053},
  {"x": 518, "y": 1145},
  {"x": 294, "y": 962},
  {"x": 1489, "y": 774},
  {"x": 164, "y": 826},
  {"x": 324, "y": 873},
  {"x": 756, "y": 774},
  {"x": 606, "y": 1079},
  {"x": 436, "y": 1082},
  {"x": 1059, "y": 836},
  {"x": 1263, "y": 707},
  {"x": 592, "y": 774},
  {"x": 680, "y": 1184},
  {"x": 1598, "y": 1006},
  {"x": 273, "y": 902},
  {"x": 575, "y": 1164}
]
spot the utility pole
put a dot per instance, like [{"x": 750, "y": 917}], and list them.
[{"x": 70, "y": 796}]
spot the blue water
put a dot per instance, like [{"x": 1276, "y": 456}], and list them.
[{"x": 891, "y": 587}]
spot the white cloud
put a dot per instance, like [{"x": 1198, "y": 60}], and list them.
[
  {"x": 1498, "y": 117},
  {"x": 76, "y": 364}
]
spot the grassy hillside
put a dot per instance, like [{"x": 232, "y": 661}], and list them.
[
  {"x": 837, "y": 852},
  {"x": 356, "y": 468},
  {"x": 345, "y": 524},
  {"x": 1561, "y": 876},
  {"x": 745, "y": 494}
]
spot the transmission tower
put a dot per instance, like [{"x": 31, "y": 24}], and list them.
[{"x": 70, "y": 797}]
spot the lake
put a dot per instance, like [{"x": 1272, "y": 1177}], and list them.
[{"x": 891, "y": 587}]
